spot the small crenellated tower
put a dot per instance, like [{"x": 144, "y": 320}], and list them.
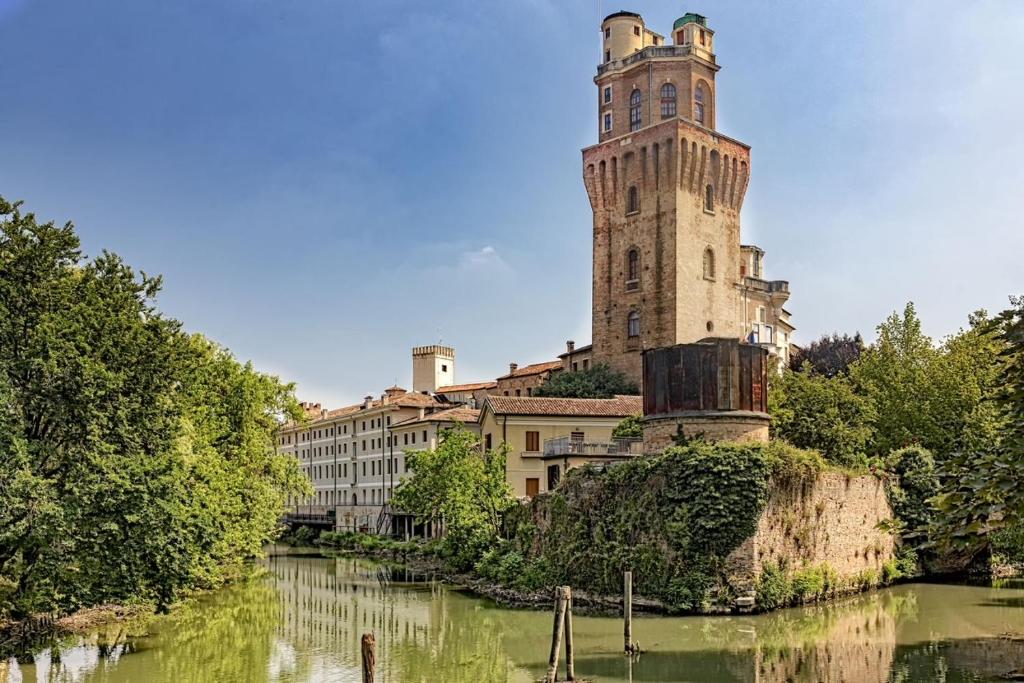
[{"x": 666, "y": 189}]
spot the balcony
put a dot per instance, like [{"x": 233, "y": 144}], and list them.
[
  {"x": 766, "y": 286},
  {"x": 651, "y": 51},
  {"x": 568, "y": 446}
]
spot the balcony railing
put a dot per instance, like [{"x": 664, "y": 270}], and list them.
[
  {"x": 645, "y": 53},
  {"x": 768, "y": 286},
  {"x": 566, "y": 445}
]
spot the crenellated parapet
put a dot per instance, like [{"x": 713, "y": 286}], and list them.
[{"x": 676, "y": 153}]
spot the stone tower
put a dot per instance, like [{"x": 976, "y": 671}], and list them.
[
  {"x": 432, "y": 367},
  {"x": 666, "y": 190}
]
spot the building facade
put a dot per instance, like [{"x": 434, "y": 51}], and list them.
[
  {"x": 547, "y": 436},
  {"x": 666, "y": 189},
  {"x": 523, "y": 381}
]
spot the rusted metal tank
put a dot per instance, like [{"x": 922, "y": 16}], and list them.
[{"x": 715, "y": 389}]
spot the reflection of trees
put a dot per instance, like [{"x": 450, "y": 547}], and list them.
[{"x": 305, "y": 624}]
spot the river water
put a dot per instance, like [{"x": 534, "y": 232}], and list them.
[{"x": 303, "y": 620}]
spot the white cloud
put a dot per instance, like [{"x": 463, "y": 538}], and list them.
[{"x": 485, "y": 259}]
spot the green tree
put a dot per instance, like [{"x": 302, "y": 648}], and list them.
[
  {"x": 895, "y": 373},
  {"x": 462, "y": 485},
  {"x": 600, "y": 381},
  {"x": 135, "y": 461},
  {"x": 982, "y": 488},
  {"x": 631, "y": 427},
  {"x": 821, "y": 413}
]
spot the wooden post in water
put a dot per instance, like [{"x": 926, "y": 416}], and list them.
[
  {"x": 627, "y": 611},
  {"x": 570, "y": 664},
  {"x": 369, "y": 648},
  {"x": 556, "y": 635}
]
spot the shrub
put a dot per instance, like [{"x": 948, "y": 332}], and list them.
[{"x": 774, "y": 589}]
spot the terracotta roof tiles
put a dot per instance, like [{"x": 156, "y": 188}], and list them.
[{"x": 619, "y": 406}]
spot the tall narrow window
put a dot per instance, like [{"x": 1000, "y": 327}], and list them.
[
  {"x": 633, "y": 324},
  {"x": 632, "y": 268},
  {"x": 607, "y": 94},
  {"x": 698, "y": 104},
  {"x": 607, "y": 121},
  {"x": 668, "y": 101},
  {"x": 709, "y": 264},
  {"x": 709, "y": 198},
  {"x": 633, "y": 200},
  {"x": 635, "y": 113}
]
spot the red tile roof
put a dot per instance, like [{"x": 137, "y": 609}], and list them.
[
  {"x": 619, "y": 406},
  {"x": 535, "y": 369},
  {"x": 452, "y": 388},
  {"x": 458, "y": 414}
]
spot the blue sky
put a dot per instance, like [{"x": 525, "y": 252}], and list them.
[{"x": 325, "y": 184}]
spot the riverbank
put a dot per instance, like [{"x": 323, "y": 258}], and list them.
[{"x": 425, "y": 559}]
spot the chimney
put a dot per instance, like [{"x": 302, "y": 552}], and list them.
[
  {"x": 570, "y": 346},
  {"x": 368, "y": 402},
  {"x": 512, "y": 367}
]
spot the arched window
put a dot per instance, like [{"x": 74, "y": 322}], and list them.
[
  {"x": 709, "y": 198},
  {"x": 698, "y": 104},
  {"x": 635, "y": 116},
  {"x": 709, "y": 264},
  {"x": 632, "y": 200},
  {"x": 633, "y": 266},
  {"x": 633, "y": 324},
  {"x": 668, "y": 101}
]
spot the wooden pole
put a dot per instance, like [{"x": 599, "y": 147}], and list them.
[
  {"x": 570, "y": 664},
  {"x": 556, "y": 635},
  {"x": 369, "y": 648},
  {"x": 627, "y": 612}
]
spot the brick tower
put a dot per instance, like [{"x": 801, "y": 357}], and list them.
[{"x": 666, "y": 190}]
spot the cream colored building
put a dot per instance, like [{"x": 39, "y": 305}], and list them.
[
  {"x": 548, "y": 436},
  {"x": 767, "y": 320}
]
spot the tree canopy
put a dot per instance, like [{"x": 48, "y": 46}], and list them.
[
  {"x": 599, "y": 381},
  {"x": 462, "y": 485},
  {"x": 136, "y": 461}
]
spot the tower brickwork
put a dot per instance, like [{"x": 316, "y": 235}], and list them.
[{"x": 666, "y": 191}]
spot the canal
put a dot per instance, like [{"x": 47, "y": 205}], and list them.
[{"x": 303, "y": 620}]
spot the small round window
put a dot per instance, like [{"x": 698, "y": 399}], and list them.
[{"x": 711, "y": 326}]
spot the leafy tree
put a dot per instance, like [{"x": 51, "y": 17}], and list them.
[
  {"x": 600, "y": 381},
  {"x": 982, "y": 489},
  {"x": 136, "y": 461},
  {"x": 814, "y": 411},
  {"x": 462, "y": 485},
  {"x": 829, "y": 356},
  {"x": 631, "y": 427},
  {"x": 895, "y": 373}
]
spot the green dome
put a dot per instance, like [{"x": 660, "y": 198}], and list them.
[{"x": 690, "y": 18}]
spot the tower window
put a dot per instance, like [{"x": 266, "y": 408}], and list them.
[
  {"x": 607, "y": 121},
  {"x": 608, "y": 32},
  {"x": 702, "y": 36},
  {"x": 709, "y": 199},
  {"x": 632, "y": 200},
  {"x": 668, "y": 101},
  {"x": 636, "y": 31},
  {"x": 635, "y": 114},
  {"x": 698, "y": 104},
  {"x": 709, "y": 264},
  {"x": 607, "y": 94},
  {"x": 632, "y": 269},
  {"x": 633, "y": 324},
  {"x": 607, "y": 55}
]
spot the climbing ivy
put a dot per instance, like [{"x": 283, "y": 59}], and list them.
[{"x": 672, "y": 519}]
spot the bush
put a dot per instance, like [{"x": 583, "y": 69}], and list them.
[
  {"x": 599, "y": 381},
  {"x": 774, "y": 589}
]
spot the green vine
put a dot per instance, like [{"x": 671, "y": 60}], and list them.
[{"x": 672, "y": 519}]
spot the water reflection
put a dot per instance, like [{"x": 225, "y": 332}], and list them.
[{"x": 304, "y": 621}]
